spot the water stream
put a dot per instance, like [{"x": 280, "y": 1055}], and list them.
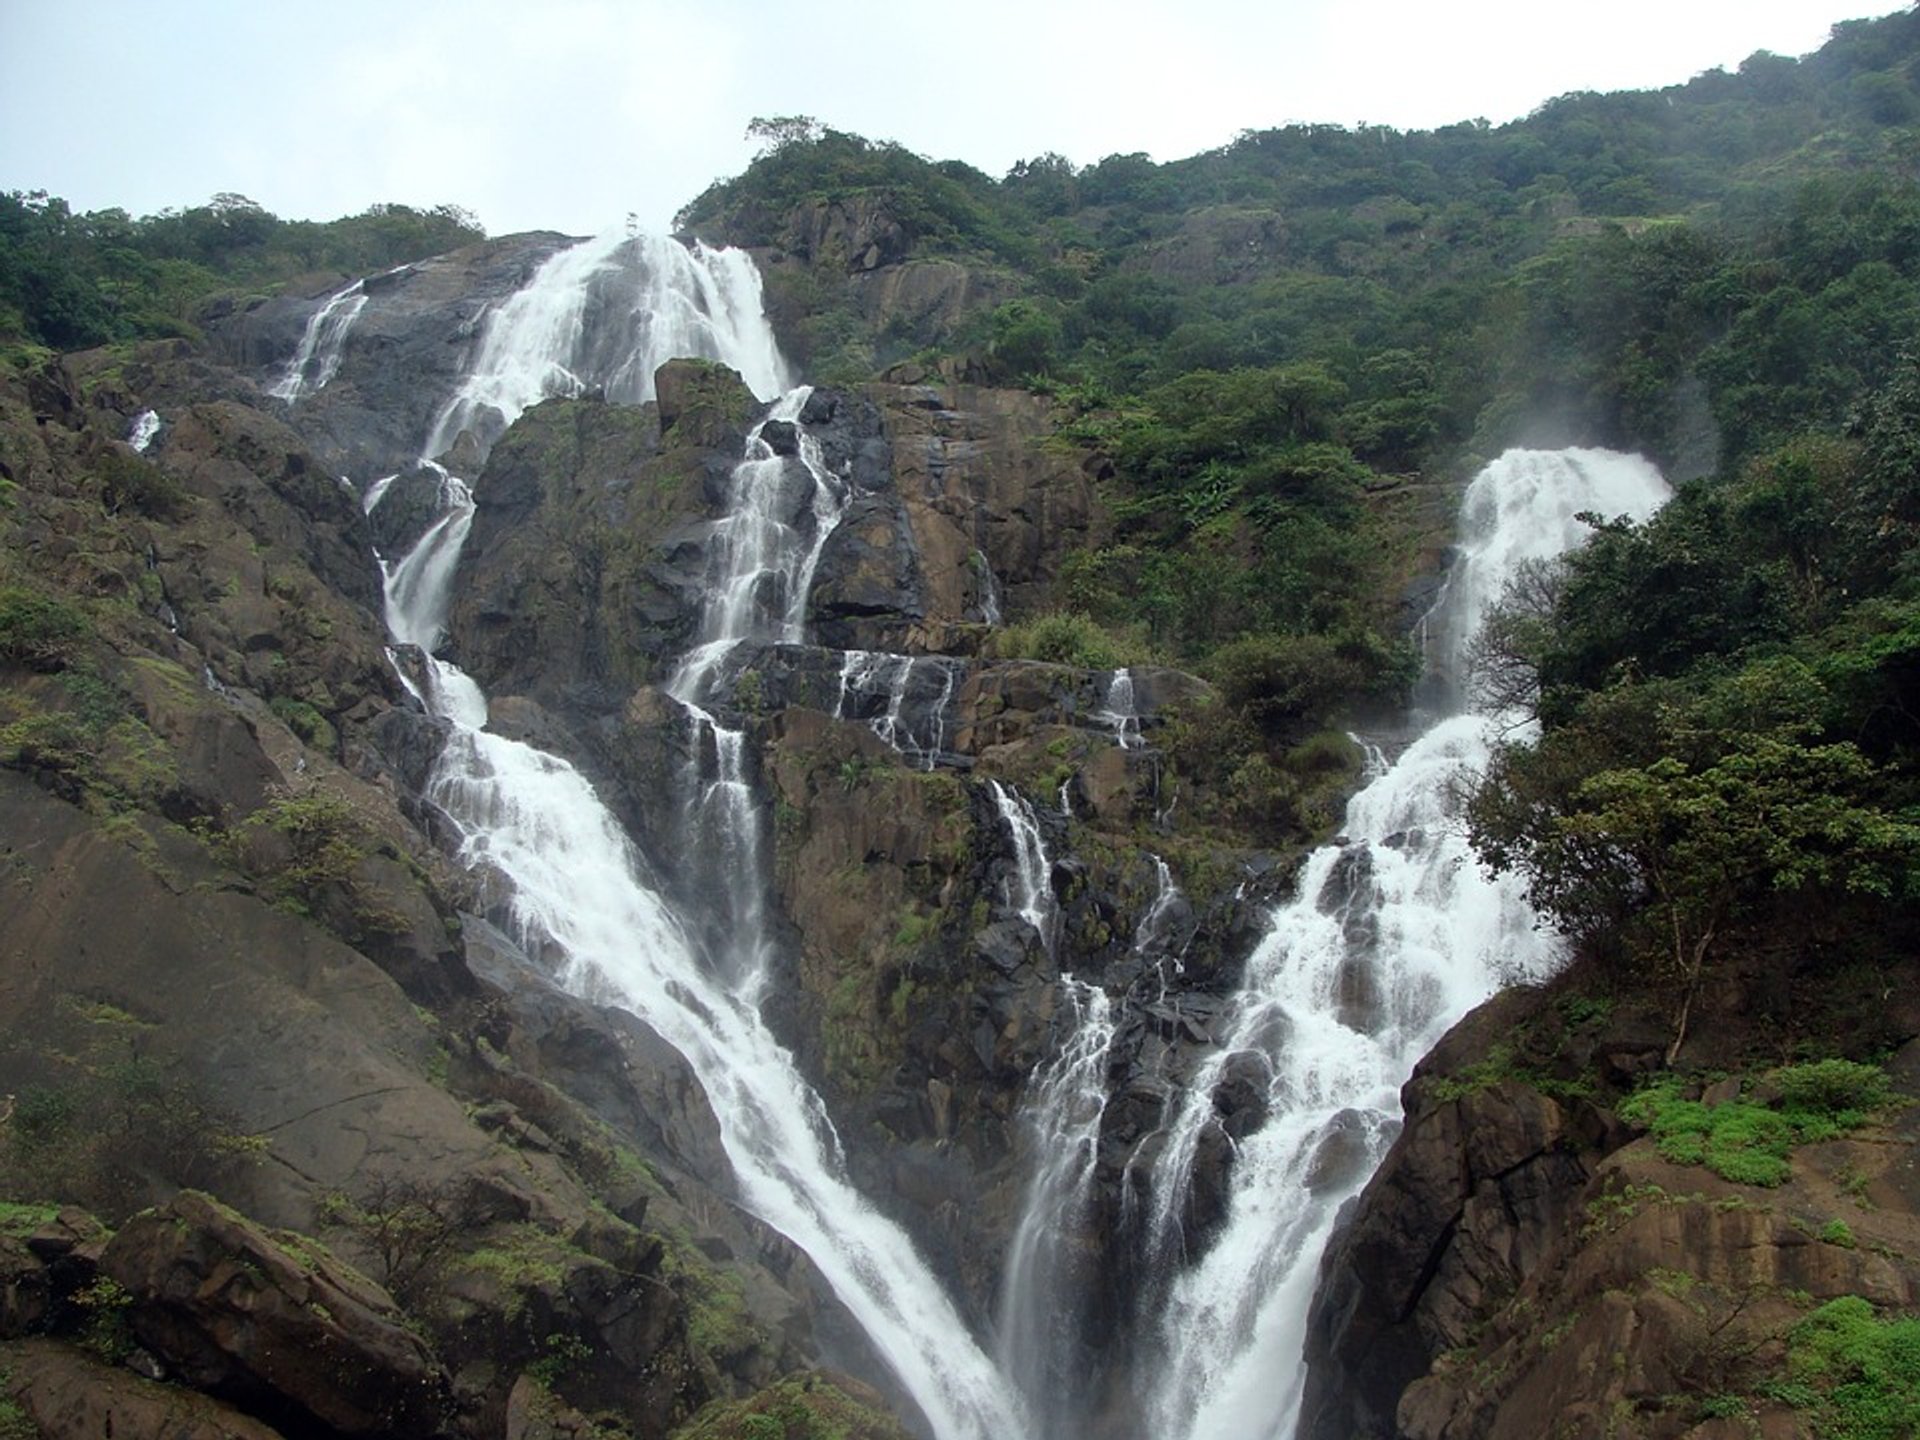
[{"x": 322, "y": 344}]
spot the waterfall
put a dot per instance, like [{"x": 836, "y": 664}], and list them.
[
  {"x": 1044, "y": 1282},
  {"x": 321, "y": 345},
  {"x": 376, "y": 492},
  {"x": 146, "y": 425},
  {"x": 761, "y": 561},
  {"x": 913, "y": 697},
  {"x": 1032, "y": 882},
  {"x": 578, "y": 883},
  {"x": 989, "y": 590},
  {"x": 1120, "y": 714},
  {"x": 1156, "y": 928},
  {"x": 419, "y": 586},
  {"x": 602, "y": 316},
  {"x": 1395, "y": 933},
  {"x": 763, "y": 554}
]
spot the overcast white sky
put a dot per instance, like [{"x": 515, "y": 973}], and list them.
[{"x": 568, "y": 114}]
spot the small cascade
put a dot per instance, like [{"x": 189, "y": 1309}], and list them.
[
  {"x": 990, "y": 611},
  {"x": 727, "y": 852},
  {"x": 322, "y": 345},
  {"x": 419, "y": 585},
  {"x": 146, "y": 425},
  {"x": 1033, "y": 887},
  {"x": 376, "y": 492},
  {"x": 905, "y": 699},
  {"x": 1044, "y": 1284},
  {"x": 1395, "y": 933},
  {"x": 1156, "y": 926},
  {"x": 602, "y": 316},
  {"x": 1119, "y": 714},
  {"x": 763, "y": 554}
]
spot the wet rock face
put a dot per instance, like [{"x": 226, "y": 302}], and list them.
[{"x": 1522, "y": 1254}]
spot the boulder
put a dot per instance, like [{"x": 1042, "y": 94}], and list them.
[
  {"x": 64, "y": 1391},
  {"x": 702, "y": 404},
  {"x": 272, "y": 1322}
]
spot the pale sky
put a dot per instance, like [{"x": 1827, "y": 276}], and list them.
[{"x": 569, "y": 114}]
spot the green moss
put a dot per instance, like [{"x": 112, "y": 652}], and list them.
[
  {"x": 1501, "y": 1064},
  {"x": 799, "y": 1407},
  {"x": 16, "y": 1219},
  {"x": 719, "y": 1325},
  {"x": 306, "y": 722},
  {"x": 526, "y": 1258}
]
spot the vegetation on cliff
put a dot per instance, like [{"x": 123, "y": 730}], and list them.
[{"x": 71, "y": 280}]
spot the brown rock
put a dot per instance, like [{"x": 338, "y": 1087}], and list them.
[
  {"x": 271, "y": 1322},
  {"x": 66, "y": 1392}
]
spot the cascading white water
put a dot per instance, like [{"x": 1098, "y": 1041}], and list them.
[
  {"x": 322, "y": 345},
  {"x": 1120, "y": 714},
  {"x": 1396, "y": 933},
  {"x": 989, "y": 590},
  {"x": 579, "y": 884},
  {"x": 604, "y": 315},
  {"x": 1033, "y": 888},
  {"x": 146, "y": 425},
  {"x": 763, "y": 554},
  {"x": 919, "y": 692},
  {"x": 376, "y": 492},
  {"x": 1156, "y": 926},
  {"x": 1040, "y": 1288},
  {"x": 419, "y": 585}
]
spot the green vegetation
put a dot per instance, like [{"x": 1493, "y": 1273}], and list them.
[
  {"x": 110, "y": 1127},
  {"x": 1751, "y": 1143},
  {"x": 40, "y": 631},
  {"x": 1858, "y": 1374},
  {"x": 70, "y": 281},
  {"x": 799, "y": 1407}
]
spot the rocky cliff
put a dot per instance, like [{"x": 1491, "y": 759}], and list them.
[{"x": 1530, "y": 1260}]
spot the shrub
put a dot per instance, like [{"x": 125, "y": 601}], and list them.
[
  {"x": 1859, "y": 1374},
  {"x": 1062, "y": 637},
  {"x": 1749, "y": 1143},
  {"x": 39, "y": 631}
]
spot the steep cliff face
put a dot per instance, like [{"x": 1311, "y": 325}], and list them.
[
  {"x": 201, "y": 715},
  {"x": 1529, "y": 1260}
]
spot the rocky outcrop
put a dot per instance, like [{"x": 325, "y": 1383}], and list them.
[
  {"x": 1523, "y": 1253},
  {"x": 1219, "y": 245},
  {"x": 62, "y": 1390},
  {"x": 268, "y": 1322},
  {"x": 409, "y": 348}
]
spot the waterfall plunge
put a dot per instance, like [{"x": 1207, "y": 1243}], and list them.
[
  {"x": 1398, "y": 914},
  {"x": 1396, "y": 933}
]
